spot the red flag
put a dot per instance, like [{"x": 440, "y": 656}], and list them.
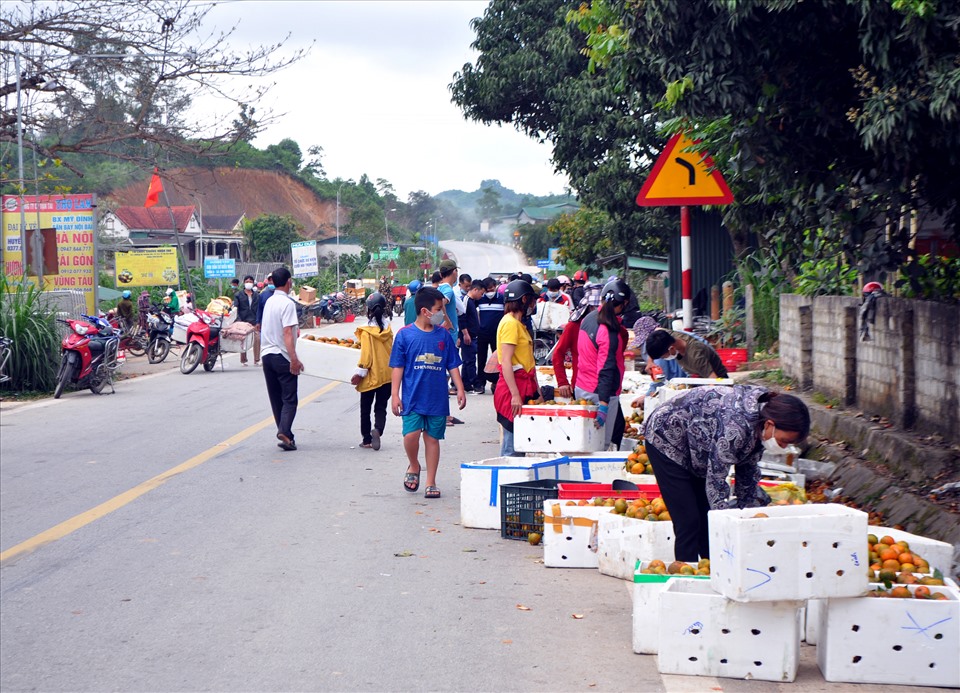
[{"x": 153, "y": 192}]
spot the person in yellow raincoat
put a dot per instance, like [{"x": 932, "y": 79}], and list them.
[{"x": 373, "y": 376}]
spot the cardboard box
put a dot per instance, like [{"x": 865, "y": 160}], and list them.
[
  {"x": 910, "y": 642},
  {"x": 570, "y": 534},
  {"x": 705, "y": 634},
  {"x": 308, "y": 294},
  {"x": 557, "y": 429},
  {"x": 480, "y": 484},
  {"x": 798, "y": 552},
  {"x": 623, "y": 541}
]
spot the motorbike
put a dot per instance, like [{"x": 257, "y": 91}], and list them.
[
  {"x": 132, "y": 338},
  {"x": 159, "y": 332},
  {"x": 89, "y": 355},
  {"x": 203, "y": 343},
  {"x": 306, "y": 313},
  {"x": 330, "y": 309}
]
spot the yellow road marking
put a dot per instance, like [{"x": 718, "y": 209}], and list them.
[{"x": 85, "y": 518}]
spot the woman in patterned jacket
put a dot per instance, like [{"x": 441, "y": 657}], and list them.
[{"x": 694, "y": 439}]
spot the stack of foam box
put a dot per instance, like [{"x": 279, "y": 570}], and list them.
[
  {"x": 647, "y": 590},
  {"x": 480, "y": 484},
  {"x": 895, "y": 641},
  {"x": 746, "y": 623}
]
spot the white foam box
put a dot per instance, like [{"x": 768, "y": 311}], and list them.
[
  {"x": 570, "y": 534},
  {"x": 480, "y": 484},
  {"x": 704, "y": 634},
  {"x": 798, "y": 552},
  {"x": 329, "y": 361},
  {"x": 544, "y": 428},
  {"x": 237, "y": 345},
  {"x": 939, "y": 554},
  {"x": 646, "y": 608},
  {"x": 622, "y": 541},
  {"x": 602, "y": 467},
  {"x": 910, "y": 642}
]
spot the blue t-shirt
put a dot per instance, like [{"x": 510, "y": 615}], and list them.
[
  {"x": 425, "y": 358},
  {"x": 409, "y": 310},
  {"x": 451, "y": 307}
]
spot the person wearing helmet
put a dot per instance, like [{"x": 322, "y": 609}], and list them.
[
  {"x": 409, "y": 305},
  {"x": 518, "y": 374},
  {"x": 601, "y": 344},
  {"x": 373, "y": 378},
  {"x": 125, "y": 310},
  {"x": 567, "y": 346},
  {"x": 172, "y": 301},
  {"x": 580, "y": 278}
]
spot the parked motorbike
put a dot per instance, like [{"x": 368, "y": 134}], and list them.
[
  {"x": 203, "y": 343},
  {"x": 306, "y": 313},
  {"x": 159, "y": 333},
  {"x": 331, "y": 309},
  {"x": 132, "y": 338},
  {"x": 89, "y": 355}
]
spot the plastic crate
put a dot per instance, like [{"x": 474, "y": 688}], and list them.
[
  {"x": 521, "y": 507},
  {"x": 586, "y": 491}
]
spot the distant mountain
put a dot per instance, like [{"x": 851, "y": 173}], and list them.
[{"x": 511, "y": 202}]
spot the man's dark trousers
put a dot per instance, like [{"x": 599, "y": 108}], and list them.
[{"x": 282, "y": 389}]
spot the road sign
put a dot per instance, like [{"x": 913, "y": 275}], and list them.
[
  {"x": 543, "y": 264},
  {"x": 392, "y": 266},
  {"x": 683, "y": 178}
]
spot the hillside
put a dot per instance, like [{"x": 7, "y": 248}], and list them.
[
  {"x": 511, "y": 202},
  {"x": 229, "y": 191}
]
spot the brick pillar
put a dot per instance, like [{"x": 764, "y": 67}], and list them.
[
  {"x": 849, "y": 355},
  {"x": 806, "y": 347},
  {"x": 908, "y": 370}
]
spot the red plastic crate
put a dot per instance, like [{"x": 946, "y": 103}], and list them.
[{"x": 572, "y": 491}]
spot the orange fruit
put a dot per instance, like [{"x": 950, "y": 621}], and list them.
[
  {"x": 888, "y": 540},
  {"x": 921, "y": 592},
  {"x": 900, "y": 593},
  {"x": 888, "y": 554},
  {"x": 907, "y": 567},
  {"x": 891, "y": 564},
  {"x": 875, "y": 567}
]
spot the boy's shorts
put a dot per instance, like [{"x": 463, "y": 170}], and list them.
[{"x": 433, "y": 426}]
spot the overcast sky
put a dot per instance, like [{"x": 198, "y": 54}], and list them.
[{"x": 373, "y": 93}]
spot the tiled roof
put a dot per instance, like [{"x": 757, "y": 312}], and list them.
[
  {"x": 550, "y": 211},
  {"x": 155, "y": 218},
  {"x": 220, "y": 222}
]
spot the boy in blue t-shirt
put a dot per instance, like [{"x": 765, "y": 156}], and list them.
[{"x": 422, "y": 356}]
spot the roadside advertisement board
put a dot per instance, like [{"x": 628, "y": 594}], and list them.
[
  {"x": 147, "y": 267},
  {"x": 305, "y": 262},
  {"x": 219, "y": 268},
  {"x": 71, "y": 218}
]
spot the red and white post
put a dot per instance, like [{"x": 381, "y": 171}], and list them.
[{"x": 686, "y": 273}]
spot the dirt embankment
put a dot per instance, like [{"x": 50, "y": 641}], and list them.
[{"x": 234, "y": 191}]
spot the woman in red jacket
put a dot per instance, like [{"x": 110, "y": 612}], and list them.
[{"x": 567, "y": 344}]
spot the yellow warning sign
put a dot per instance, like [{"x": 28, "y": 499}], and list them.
[{"x": 682, "y": 177}]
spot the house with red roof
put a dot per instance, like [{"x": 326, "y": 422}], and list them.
[{"x": 150, "y": 227}]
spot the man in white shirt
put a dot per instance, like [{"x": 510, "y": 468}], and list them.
[{"x": 278, "y": 353}]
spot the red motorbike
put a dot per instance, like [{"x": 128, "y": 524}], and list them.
[
  {"x": 89, "y": 355},
  {"x": 203, "y": 343}
]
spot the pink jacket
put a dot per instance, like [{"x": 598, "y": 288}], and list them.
[{"x": 600, "y": 366}]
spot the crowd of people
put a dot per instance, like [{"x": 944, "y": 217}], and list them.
[{"x": 461, "y": 335}]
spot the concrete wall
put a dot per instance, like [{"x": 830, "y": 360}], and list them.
[{"x": 908, "y": 370}]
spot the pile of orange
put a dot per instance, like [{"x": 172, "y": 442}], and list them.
[
  {"x": 658, "y": 567},
  {"x": 653, "y": 510},
  {"x": 901, "y": 592},
  {"x": 892, "y": 562},
  {"x": 638, "y": 462}
]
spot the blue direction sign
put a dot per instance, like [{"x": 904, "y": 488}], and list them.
[
  {"x": 219, "y": 268},
  {"x": 543, "y": 264}
]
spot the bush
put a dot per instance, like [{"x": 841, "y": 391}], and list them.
[{"x": 32, "y": 327}]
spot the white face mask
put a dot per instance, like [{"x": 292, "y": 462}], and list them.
[
  {"x": 773, "y": 447},
  {"x": 553, "y": 294},
  {"x": 248, "y": 286},
  {"x": 532, "y": 308},
  {"x": 669, "y": 357},
  {"x": 490, "y": 294},
  {"x": 436, "y": 319}
]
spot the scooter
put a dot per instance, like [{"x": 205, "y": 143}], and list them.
[
  {"x": 330, "y": 309},
  {"x": 203, "y": 343},
  {"x": 89, "y": 355},
  {"x": 159, "y": 332}
]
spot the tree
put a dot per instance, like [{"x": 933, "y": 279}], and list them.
[
  {"x": 268, "y": 237},
  {"x": 584, "y": 237},
  {"x": 537, "y": 239},
  {"x": 114, "y": 78},
  {"x": 488, "y": 205}
]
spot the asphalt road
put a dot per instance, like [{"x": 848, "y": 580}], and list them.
[
  {"x": 156, "y": 539},
  {"x": 481, "y": 259}
]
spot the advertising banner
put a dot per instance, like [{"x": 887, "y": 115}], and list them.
[
  {"x": 147, "y": 267},
  {"x": 71, "y": 219},
  {"x": 305, "y": 259},
  {"x": 219, "y": 268}
]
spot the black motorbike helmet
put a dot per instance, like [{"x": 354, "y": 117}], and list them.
[
  {"x": 517, "y": 289},
  {"x": 376, "y": 299},
  {"x": 616, "y": 291}
]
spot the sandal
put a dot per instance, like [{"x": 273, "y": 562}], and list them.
[
  {"x": 455, "y": 420},
  {"x": 432, "y": 492},
  {"x": 411, "y": 481},
  {"x": 366, "y": 445}
]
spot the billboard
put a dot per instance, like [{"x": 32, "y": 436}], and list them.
[
  {"x": 305, "y": 263},
  {"x": 67, "y": 221},
  {"x": 219, "y": 268},
  {"x": 147, "y": 267}
]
